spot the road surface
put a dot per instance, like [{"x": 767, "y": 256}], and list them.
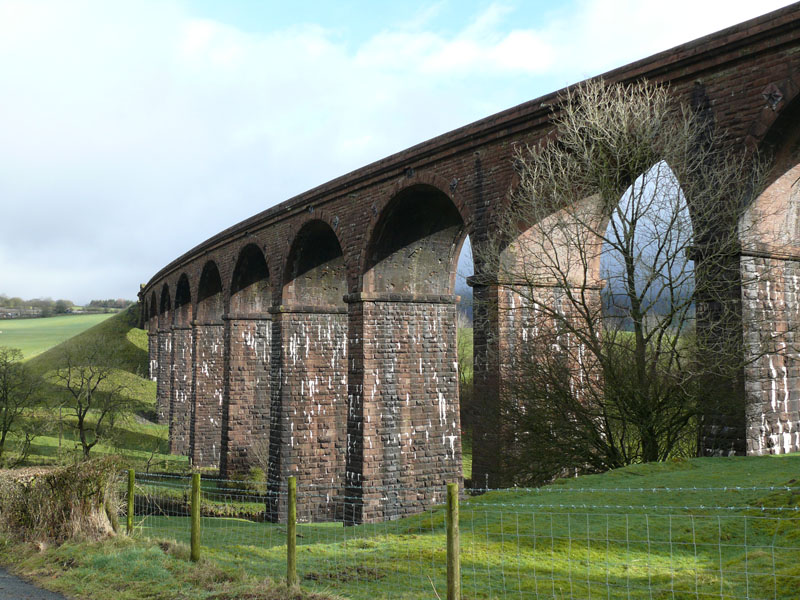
[{"x": 14, "y": 588}]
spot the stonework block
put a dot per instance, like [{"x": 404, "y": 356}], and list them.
[
  {"x": 247, "y": 393},
  {"x": 180, "y": 415},
  {"x": 403, "y": 420},
  {"x": 208, "y": 385},
  {"x": 309, "y": 407},
  {"x": 164, "y": 375}
]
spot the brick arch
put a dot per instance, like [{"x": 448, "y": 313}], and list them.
[
  {"x": 386, "y": 266},
  {"x": 152, "y": 306},
  {"x": 315, "y": 260},
  {"x": 410, "y": 180},
  {"x": 165, "y": 307},
  {"x": 209, "y": 295},
  {"x": 183, "y": 302},
  {"x": 250, "y": 283}
]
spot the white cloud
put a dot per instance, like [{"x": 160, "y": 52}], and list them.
[{"x": 605, "y": 34}]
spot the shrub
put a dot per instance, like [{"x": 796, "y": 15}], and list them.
[{"x": 55, "y": 505}]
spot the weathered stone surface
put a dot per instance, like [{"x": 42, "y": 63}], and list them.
[
  {"x": 180, "y": 409},
  {"x": 403, "y": 417},
  {"x": 164, "y": 374},
  {"x": 246, "y": 412},
  {"x": 309, "y": 405},
  {"x": 207, "y": 393}
]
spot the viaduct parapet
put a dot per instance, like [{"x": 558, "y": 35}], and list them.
[{"x": 323, "y": 329}]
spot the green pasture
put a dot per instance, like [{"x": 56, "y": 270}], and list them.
[
  {"x": 666, "y": 530},
  {"x": 34, "y": 336},
  {"x": 118, "y": 332}
]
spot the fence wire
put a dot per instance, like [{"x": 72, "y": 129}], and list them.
[{"x": 539, "y": 543}]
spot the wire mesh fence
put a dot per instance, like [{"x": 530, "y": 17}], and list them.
[{"x": 555, "y": 542}]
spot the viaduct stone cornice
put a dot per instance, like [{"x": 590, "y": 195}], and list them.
[{"x": 684, "y": 62}]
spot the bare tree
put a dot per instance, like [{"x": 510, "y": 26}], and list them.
[
  {"x": 618, "y": 257},
  {"x": 95, "y": 392},
  {"x": 18, "y": 393}
]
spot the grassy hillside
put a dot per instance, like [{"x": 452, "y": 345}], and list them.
[
  {"x": 137, "y": 437},
  {"x": 119, "y": 332},
  {"x": 34, "y": 336}
]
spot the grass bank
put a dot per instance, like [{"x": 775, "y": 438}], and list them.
[{"x": 129, "y": 569}]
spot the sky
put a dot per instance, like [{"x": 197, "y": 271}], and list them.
[{"x": 131, "y": 131}]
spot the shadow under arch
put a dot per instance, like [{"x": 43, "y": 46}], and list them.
[
  {"x": 183, "y": 302},
  {"x": 251, "y": 290},
  {"x": 315, "y": 272},
  {"x": 248, "y": 336},
  {"x": 210, "y": 303},
  {"x": 415, "y": 244},
  {"x": 152, "y": 311},
  {"x": 180, "y": 407},
  {"x": 164, "y": 309}
]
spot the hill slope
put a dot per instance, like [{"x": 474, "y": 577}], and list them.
[
  {"x": 118, "y": 333},
  {"x": 136, "y": 436}
]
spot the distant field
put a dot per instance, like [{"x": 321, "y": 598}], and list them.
[{"x": 34, "y": 336}]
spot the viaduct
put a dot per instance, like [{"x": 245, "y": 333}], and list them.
[{"x": 324, "y": 328}]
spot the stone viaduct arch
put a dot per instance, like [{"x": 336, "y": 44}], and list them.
[
  {"x": 248, "y": 335},
  {"x": 180, "y": 407},
  {"x": 324, "y": 327},
  {"x": 309, "y": 362},
  {"x": 151, "y": 322},
  {"x": 164, "y": 377}
]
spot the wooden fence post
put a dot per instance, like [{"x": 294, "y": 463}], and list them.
[
  {"x": 131, "y": 481},
  {"x": 291, "y": 534},
  {"x": 195, "y": 552},
  {"x": 453, "y": 558}
]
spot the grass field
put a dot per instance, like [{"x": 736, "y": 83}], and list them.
[
  {"x": 664, "y": 530},
  {"x": 703, "y": 528},
  {"x": 34, "y": 336}
]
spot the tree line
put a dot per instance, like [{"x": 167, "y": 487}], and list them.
[{"x": 47, "y": 307}]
